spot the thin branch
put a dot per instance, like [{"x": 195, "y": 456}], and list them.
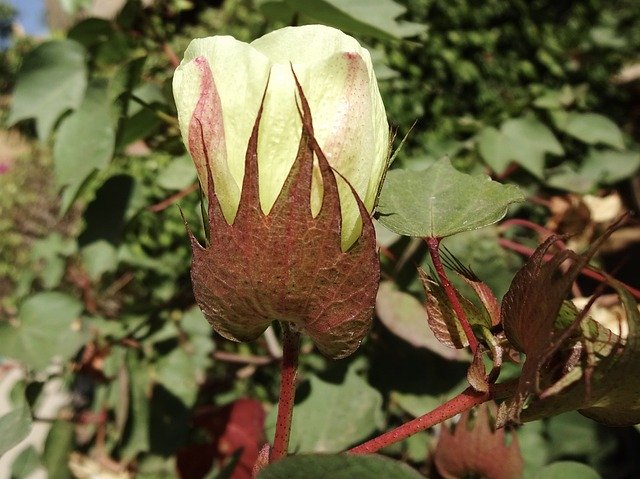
[
  {"x": 164, "y": 204},
  {"x": 589, "y": 272},
  {"x": 288, "y": 371},
  {"x": 229, "y": 357},
  {"x": 460, "y": 403}
]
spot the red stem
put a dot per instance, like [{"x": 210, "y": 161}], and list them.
[
  {"x": 434, "y": 244},
  {"x": 462, "y": 402},
  {"x": 525, "y": 250},
  {"x": 288, "y": 370},
  {"x": 541, "y": 230}
]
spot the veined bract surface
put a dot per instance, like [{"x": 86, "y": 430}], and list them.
[{"x": 289, "y": 240}]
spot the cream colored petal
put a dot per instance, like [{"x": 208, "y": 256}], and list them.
[
  {"x": 240, "y": 74},
  {"x": 350, "y": 123},
  {"x": 305, "y": 44}
]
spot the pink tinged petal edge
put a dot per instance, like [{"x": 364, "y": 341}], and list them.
[{"x": 207, "y": 144}]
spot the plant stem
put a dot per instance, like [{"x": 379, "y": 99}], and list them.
[
  {"x": 434, "y": 245},
  {"x": 586, "y": 271},
  {"x": 288, "y": 370},
  {"x": 462, "y": 402}
]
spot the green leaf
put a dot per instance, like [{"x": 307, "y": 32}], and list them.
[
  {"x": 441, "y": 201},
  {"x": 176, "y": 371},
  {"x": 494, "y": 149},
  {"x": 57, "y": 448},
  {"x": 47, "y": 327},
  {"x": 85, "y": 139},
  {"x": 52, "y": 79},
  {"x": 564, "y": 177},
  {"x": 334, "y": 416},
  {"x": 593, "y": 129},
  {"x": 567, "y": 470},
  {"x": 137, "y": 437},
  {"x": 178, "y": 174},
  {"x": 26, "y": 462},
  {"x": 14, "y": 427},
  {"x": 609, "y": 166},
  {"x": 360, "y": 17},
  {"x": 338, "y": 466},
  {"x": 529, "y": 141},
  {"x": 141, "y": 120},
  {"x": 99, "y": 257}
]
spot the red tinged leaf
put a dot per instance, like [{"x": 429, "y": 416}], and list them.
[
  {"x": 287, "y": 265},
  {"x": 441, "y": 317},
  {"x": 475, "y": 448},
  {"x": 572, "y": 362},
  {"x": 238, "y": 427}
]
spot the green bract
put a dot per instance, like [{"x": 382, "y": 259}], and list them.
[{"x": 335, "y": 73}]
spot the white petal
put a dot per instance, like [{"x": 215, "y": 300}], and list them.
[{"x": 240, "y": 74}]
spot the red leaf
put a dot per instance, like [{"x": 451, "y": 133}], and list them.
[{"x": 238, "y": 426}]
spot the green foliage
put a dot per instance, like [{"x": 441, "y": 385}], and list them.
[
  {"x": 85, "y": 139},
  {"x": 52, "y": 79},
  {"x": 440, "y": 201},
  {"x": 328, "y": 420},
  {"x": 569, "y": 470},
  {"x": 339, "y": 467},
  {"x": 47, "y": 326},
  {"x": 14, "y": 427},
  {"x": 94, "y": 257},
  {"x": 358, "y": 17}
]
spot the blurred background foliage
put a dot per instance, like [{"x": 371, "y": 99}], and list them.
[{"x": 99, "y": 336}]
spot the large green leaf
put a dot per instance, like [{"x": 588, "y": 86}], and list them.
[
  {"x": 85, "y": 139},
  {"x": 14, "y": 427},
  {"x": 494, "y": 149},
  {"x": 529, "y": 141},
  {"x": 176, "y": 371},
  {"x": 592, "y": 128},
  {"x": 523, "y": 140},
  {"x": 334, "y": 416},
  {"x": 361, "y": 17},
  {"x": 609, "y": 166},
  {"x": 52, "y": 79},
  {"x": 338, "y": 466},
  {"x": 47, "y": 326},
  {"x": 441, "y": 201}
]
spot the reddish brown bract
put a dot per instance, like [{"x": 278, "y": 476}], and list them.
[{"x": 287, "y": 265}]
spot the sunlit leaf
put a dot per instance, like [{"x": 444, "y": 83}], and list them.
[
  {"x": 47, "y": 327},
  {"x": 442, "y": 201},
  {"x": 52, "y": 79},
  {"x": 14, "y": 427},
  {"x": 85, "y": 140}
]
